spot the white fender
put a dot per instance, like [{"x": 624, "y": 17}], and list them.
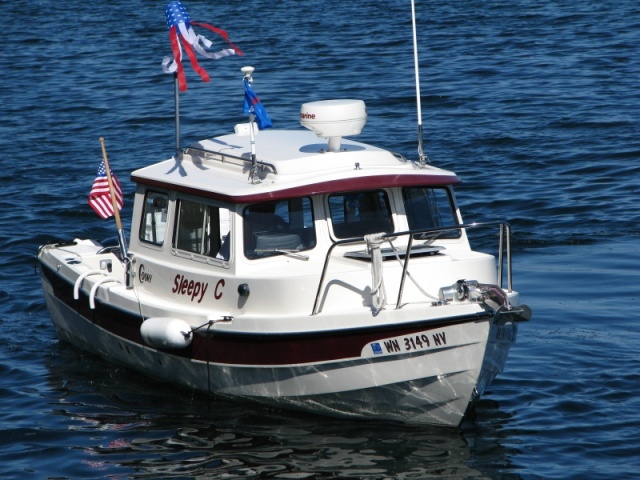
[{"x": 166, "y": 332}]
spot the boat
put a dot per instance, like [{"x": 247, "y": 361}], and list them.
[{"x": 298, "y": 269}]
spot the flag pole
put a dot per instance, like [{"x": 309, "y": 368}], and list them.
[
  {"x": 247, "y": 71},
  {"x": 114, "y": 203},
  {"x": 176, "y": 101}
]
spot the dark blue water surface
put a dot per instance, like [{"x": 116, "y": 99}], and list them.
[{"x": 534, "y": 104}]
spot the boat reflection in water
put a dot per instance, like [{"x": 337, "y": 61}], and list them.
[{"x": 128, "y": 424}]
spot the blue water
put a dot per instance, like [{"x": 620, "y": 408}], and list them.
[{"x": 534, "y": 104}]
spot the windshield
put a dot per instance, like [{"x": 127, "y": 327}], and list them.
[
  {"x": 273, "y": 228},
  {"x": 357, "y": 214},
  {"x": 428, "y": 207}
]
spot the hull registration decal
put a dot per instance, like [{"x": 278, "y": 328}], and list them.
[{"x": 407, "y": 344}]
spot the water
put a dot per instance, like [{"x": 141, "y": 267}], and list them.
[{"x": 535, "y": 106}]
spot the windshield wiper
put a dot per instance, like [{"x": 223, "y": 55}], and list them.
[
  {"x": 289, "y": 253},
  {"x": 430, "y": 238}
]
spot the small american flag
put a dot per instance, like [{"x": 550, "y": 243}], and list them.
[{"x": 100, "y": 198}]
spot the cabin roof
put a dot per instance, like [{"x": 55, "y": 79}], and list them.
[{"x": 290, "y": 163}]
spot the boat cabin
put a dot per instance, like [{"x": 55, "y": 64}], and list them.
[{"x": 222, "y": 228}]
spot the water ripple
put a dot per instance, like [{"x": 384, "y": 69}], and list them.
[{"x": 534, "y": 105}]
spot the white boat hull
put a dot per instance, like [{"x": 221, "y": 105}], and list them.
[{"x": 433, "y": 385}]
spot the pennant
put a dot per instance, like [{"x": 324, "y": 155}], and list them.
[
  {"x": 181, "y": 34},
  {"x": 253, "y": 104}
]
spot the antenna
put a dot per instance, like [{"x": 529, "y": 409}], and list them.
[{"x": 421, "y": 154}]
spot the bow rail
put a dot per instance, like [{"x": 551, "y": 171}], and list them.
[{"x": 404, "y": 256}]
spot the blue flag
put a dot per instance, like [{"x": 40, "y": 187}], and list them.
[{"x": 252, "y": 102}]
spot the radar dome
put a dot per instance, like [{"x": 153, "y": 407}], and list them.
[{"x": 334, "y": 119}]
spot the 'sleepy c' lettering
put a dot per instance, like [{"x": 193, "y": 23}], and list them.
[
  {"x": 217, "y": 293},
  {"x": 189, "y": 288}
]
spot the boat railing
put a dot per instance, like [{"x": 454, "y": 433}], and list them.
[
  {"x": 105, "y": 278},
  {"x": 242, "y": 162},
  {"x": 503, "y": 254}
]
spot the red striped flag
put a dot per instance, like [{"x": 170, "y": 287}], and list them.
[
  {"x": 100, "y": 197},
  {"x": 181, "y": 34}
]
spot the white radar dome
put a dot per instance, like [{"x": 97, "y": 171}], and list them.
[{"x": 334, "y": 119}]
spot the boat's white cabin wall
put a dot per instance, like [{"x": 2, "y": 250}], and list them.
[
  {"x": 279, "y": 282},
  {"x": 186, "y": 279}
]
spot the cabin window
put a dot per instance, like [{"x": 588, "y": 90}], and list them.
[
  {"x": 429, "y": 208},
  {"x": 275, "y": 228},
  {"x": 202, "y": 229},
  {"x": 154, "y": 218},
  {"x": 360, "y": 213}
]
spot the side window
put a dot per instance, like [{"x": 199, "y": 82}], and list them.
[
  {"x": 154, "y": 218},
  {"x": 429, "y": 208},
  {"x": 202, "y": 230},
  {"x": 360, "y": 213},
  {"x": 274, "y": 228}
]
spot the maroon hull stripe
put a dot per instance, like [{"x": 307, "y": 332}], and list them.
[
  {"x": 248, "y": 349},
  {"x": 339, "y": 185},
  {"x": 296, "y": 349}
]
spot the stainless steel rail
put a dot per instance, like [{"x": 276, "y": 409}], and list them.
[{"x": 504, "y": 254}]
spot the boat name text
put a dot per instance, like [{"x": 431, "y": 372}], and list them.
[
  {"x": 217, "y": 293},
  {"x": 194, "y": 289},
  {"x": 143, "y": 276},
  {"x": 307, "y": 116},
  {"x": 409, "y": 343}
]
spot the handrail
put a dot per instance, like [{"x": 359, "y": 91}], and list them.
[
  {"x": 94, "y": 289},
  {"x": 227, "y": 158},
  {"x": 405, "y": 269},
  {"x": 80, "y": 279},
  {"x": 504, "y": 239}
]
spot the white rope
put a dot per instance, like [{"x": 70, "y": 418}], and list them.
[
  {"x": 415, "y": 282},
  {"x": 378, "y": 293}
]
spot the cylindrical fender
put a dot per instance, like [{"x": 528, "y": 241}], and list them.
[{"x": 166, "y": 332}]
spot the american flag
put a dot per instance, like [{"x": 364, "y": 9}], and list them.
[{"x": 100, "y": 197}]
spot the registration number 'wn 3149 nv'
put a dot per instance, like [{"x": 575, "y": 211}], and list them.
[{"x": 408, "y": 343}]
